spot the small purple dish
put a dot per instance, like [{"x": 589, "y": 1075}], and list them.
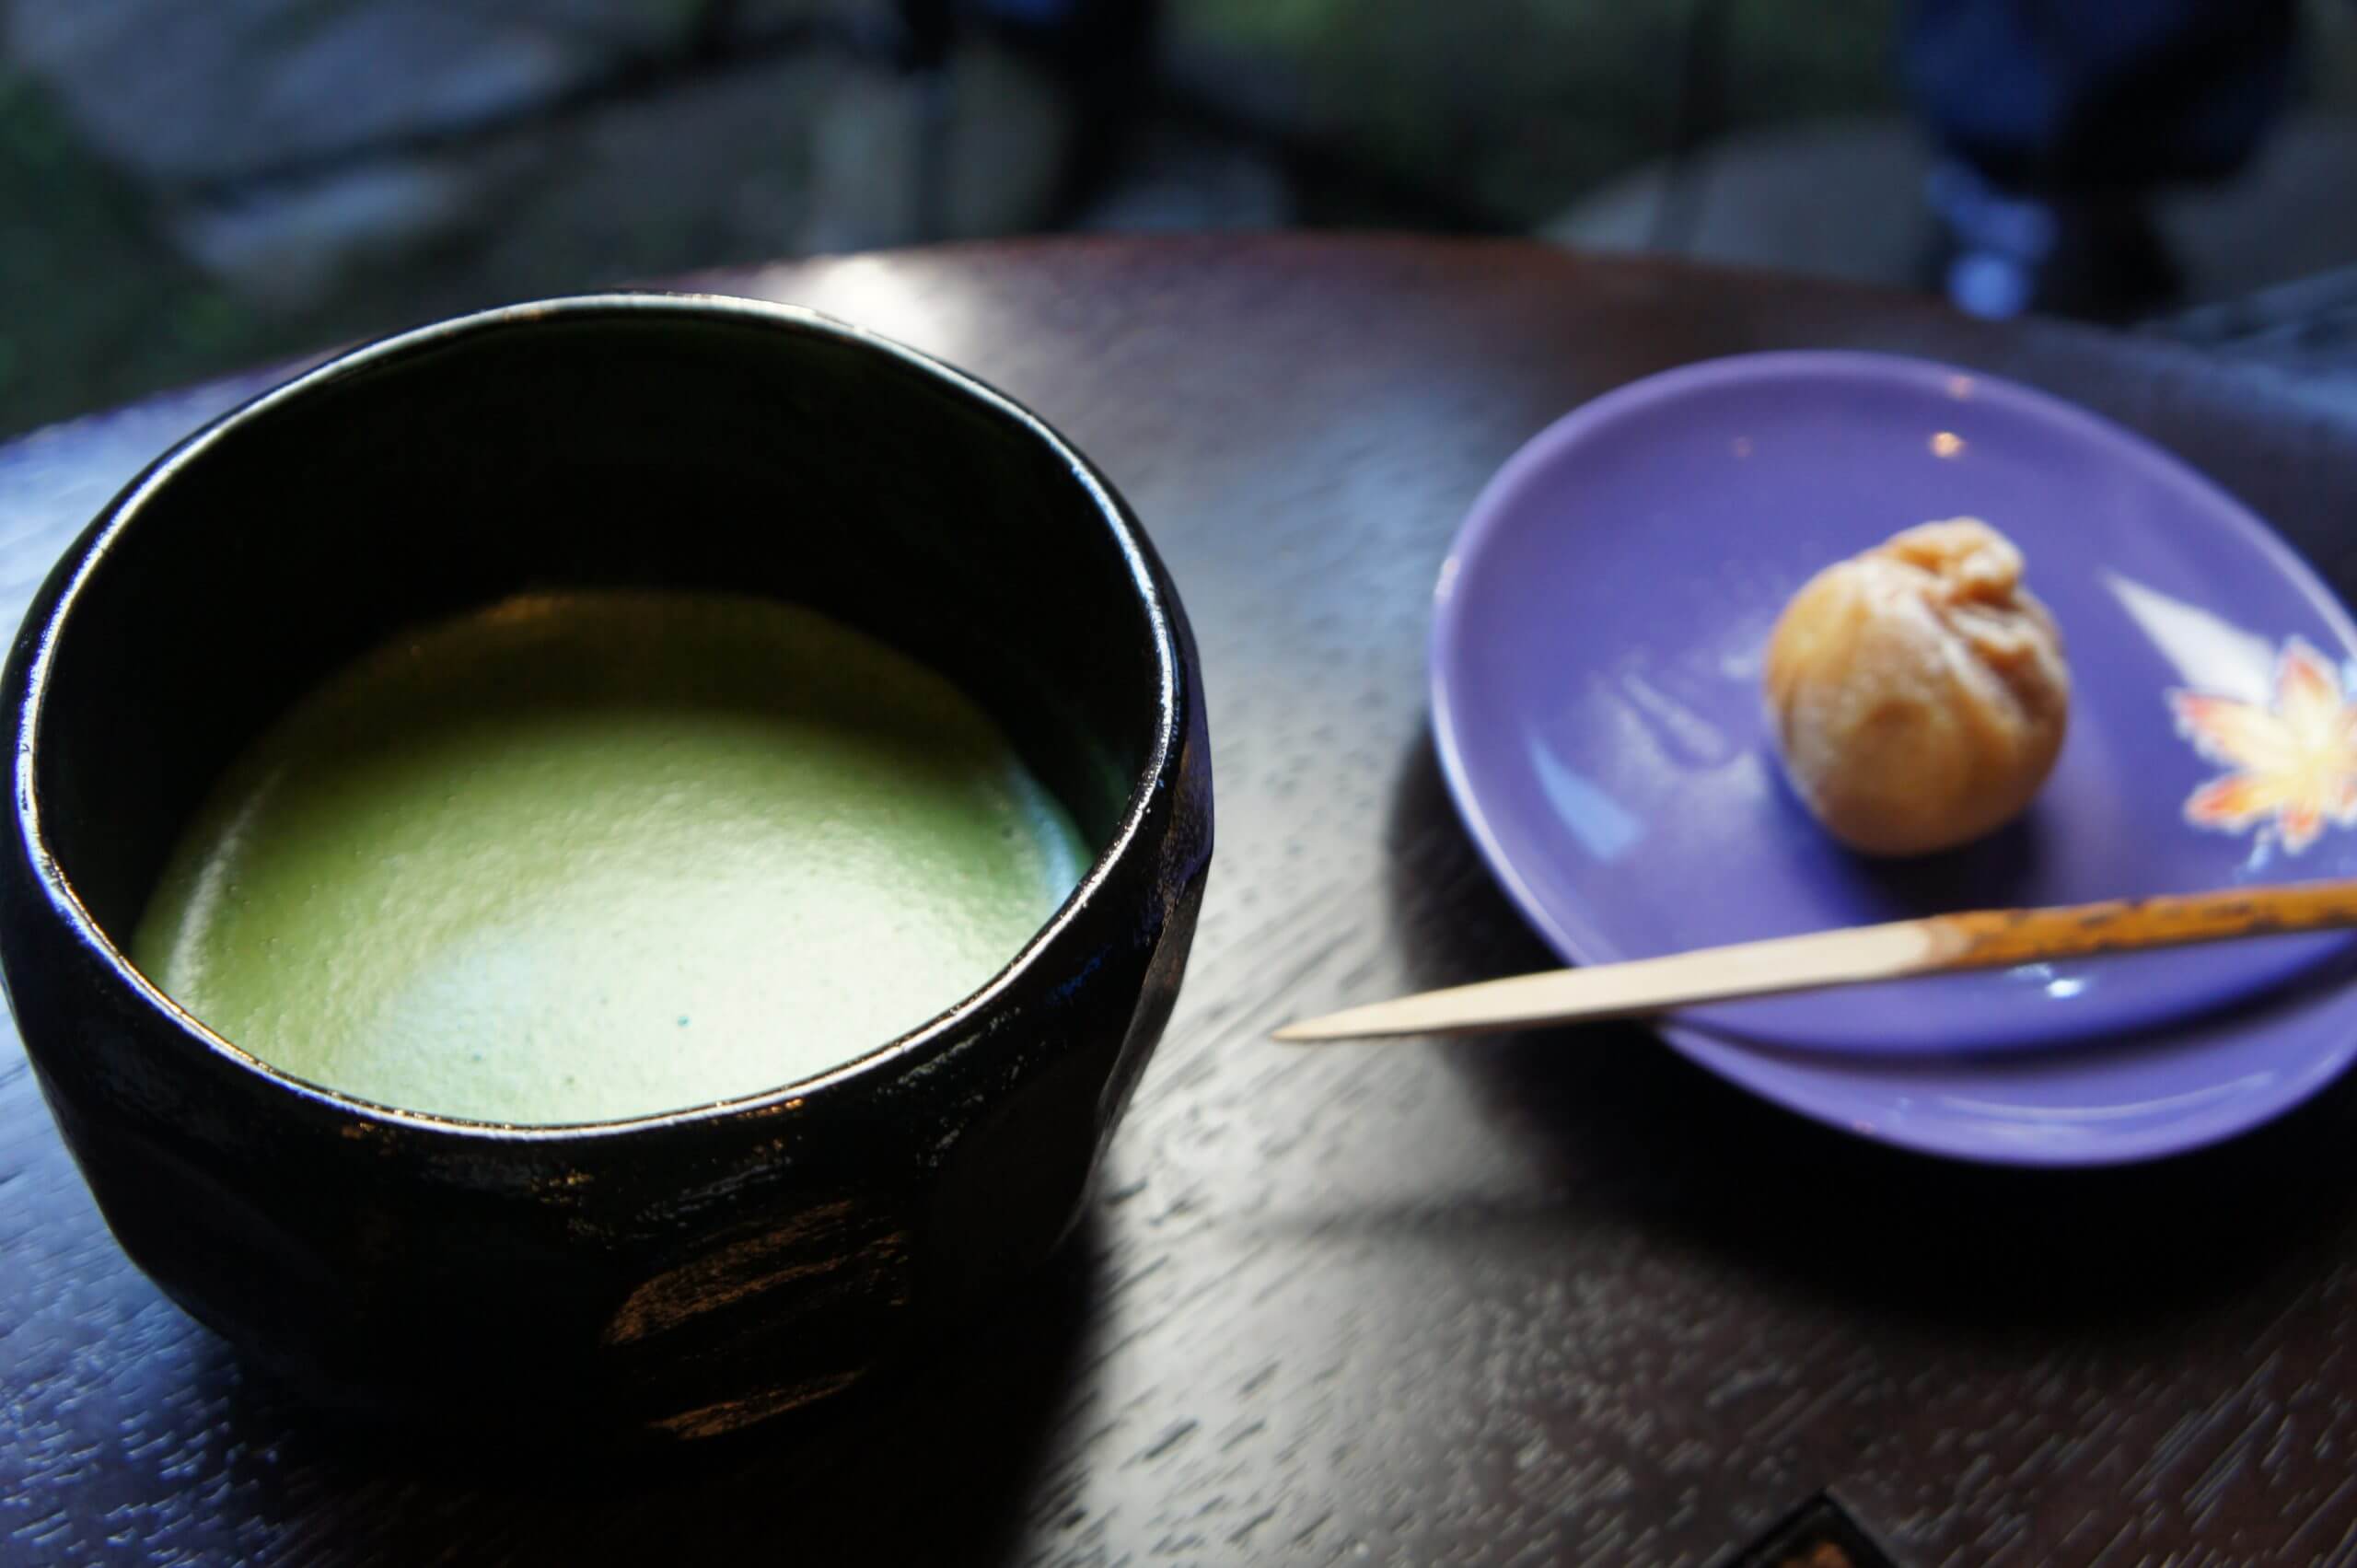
[{"x": 1596, "y": 667}]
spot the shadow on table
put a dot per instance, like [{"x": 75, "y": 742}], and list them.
[
  {"x": 1627, "y": 1123},
  {"x": 937, "y": 1460}
]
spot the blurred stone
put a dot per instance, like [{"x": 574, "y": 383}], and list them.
[
  {"x": 989, "y": 133},
  {"x": 1172, "y": 181},
  {"x": 1508, "y": 107},
  {"x": 714, "y": 172},
  {"x": 1838, "y": 198},
  {"x": 1844, "y": 199},
  {"x": 182, "y": 91},
  {"x": 179, "y": 93},
  {"x": 739, "y": 164},
  {"x": 288, "y": 245}
]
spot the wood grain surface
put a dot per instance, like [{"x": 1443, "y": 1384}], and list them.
[{"x": 1480, "y": 1303}]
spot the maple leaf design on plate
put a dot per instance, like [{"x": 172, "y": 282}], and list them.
[{"x": 2294, "y": 761}]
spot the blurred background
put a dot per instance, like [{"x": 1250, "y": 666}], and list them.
[{"x": 188, "y": 186}]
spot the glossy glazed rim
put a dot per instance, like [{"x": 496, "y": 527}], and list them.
[
  {"x": 907, "y": 1048},
  {"x": 1756, "y": 1068}
]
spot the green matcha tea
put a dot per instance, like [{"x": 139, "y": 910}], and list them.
[{"x": 598, "y": 854}]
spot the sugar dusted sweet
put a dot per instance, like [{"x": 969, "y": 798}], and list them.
[{"x": 1918, "y": 691}]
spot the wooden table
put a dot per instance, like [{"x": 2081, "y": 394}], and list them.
[{"x": 1538, "y": 1299}]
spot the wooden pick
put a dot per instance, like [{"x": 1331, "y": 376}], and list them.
[{"x": 1944, "y": 944}]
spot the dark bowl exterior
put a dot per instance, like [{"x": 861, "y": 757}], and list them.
[{"x": 678, "y": 1276}]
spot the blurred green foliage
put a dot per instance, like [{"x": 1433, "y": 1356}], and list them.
[{"x": 95, "y": 308}]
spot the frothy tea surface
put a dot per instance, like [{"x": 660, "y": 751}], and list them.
[{"x": 594, "y": 854}]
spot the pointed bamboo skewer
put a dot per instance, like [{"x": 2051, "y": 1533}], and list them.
[{"x": 1944, "y": 943}]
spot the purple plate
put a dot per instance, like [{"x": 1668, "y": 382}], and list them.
[{"x": 1595, "y": 665}]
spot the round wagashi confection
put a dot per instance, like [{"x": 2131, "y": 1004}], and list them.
[{"x": 1918, "y": 693}]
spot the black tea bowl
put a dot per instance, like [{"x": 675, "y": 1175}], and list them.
[{"x": 683, "y": 1272}]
